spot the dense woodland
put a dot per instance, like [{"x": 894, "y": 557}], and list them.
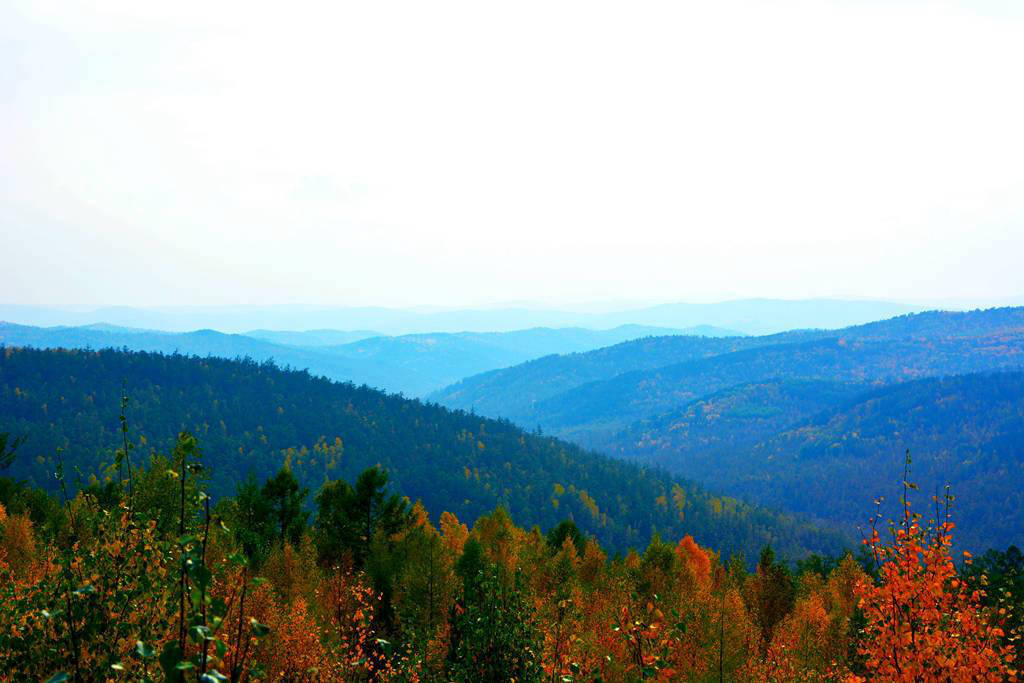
[
  {"x": 253, "y": 418},
  {"x": 141, "y": 577},
  {"x": 167, "y": 517},
  {"x": 782, "y": 420},
  {"x": 786, "y": 443}
]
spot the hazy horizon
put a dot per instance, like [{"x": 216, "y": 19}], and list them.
[
  {"x": 744, "y": 316},
  {"x": 454, "y": 154}
]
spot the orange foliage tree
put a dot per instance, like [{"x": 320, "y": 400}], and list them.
[{"x": 923, "y": 624}]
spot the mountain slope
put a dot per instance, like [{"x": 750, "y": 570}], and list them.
[
  {"x": 559, "y": 392},
  {"x": 253, "y": 417},
  {"x": 967, "y": 431},
  {"x": 612, "y": 404},
  {"x": 696, "y": 437},
  {"x": 513, "y": 391}
]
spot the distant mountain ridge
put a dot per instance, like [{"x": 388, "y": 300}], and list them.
[
  {"x": 411, "y": 364},
  {"x": 749, "y": 316},
  {"x": 556, "y": 392},
  {"x": 631, "y": 396},
  {"x": 311, "y": 338}
]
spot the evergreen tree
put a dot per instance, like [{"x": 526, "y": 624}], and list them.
[
  {"x": 349, "y": 518},
  {"x": 253, "y": 521},
  {"x": 566, "y": 529},
  {"x": 284, "y": 498},
  {"x": 773, "y": 593}
]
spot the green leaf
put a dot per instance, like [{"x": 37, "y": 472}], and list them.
[
  {"x": 218, "y": 608},
  {"x": 144, "y": 651},
  {"x": 213, "y": 676},
  {"x": 201, "y": 575},
  {"x": 170, "y": 657},
  {"x": 199, "y": 633},
  {"x": 259, "y": 630},
  {"x": 58, "y": 677}
]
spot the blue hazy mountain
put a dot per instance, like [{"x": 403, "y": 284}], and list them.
[
  {"x": 605, "y": 389},
  {"x": 412, "y": 364},
  {"x": 312, "y": 337},
  {"x": 748, "y": 316}
]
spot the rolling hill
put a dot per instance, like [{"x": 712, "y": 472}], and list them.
[
  {"x": 592, "y": 410},
  {"x": 744, "y": 415},
  {"x": 608, "y": 388},
  {"x": 410, "y": 364},
  {"x": 254, "y": 417},
  {"x": 823, "y": 448},
  {"x": 513, "y": 391}
]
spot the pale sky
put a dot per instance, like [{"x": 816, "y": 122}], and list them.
[{"x": 435, "y": 153}]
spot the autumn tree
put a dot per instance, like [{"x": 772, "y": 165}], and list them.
[{"x": 923, "y": 622}]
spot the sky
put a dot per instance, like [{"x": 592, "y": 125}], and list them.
[{"x": 447, "y": 154}]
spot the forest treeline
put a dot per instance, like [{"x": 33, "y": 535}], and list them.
[
  {"x": 140, "y": 576},
  {"x": 255, "y": 417}
]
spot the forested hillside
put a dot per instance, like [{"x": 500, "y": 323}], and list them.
[
  {"x": 592, "y": 409},
  {"x": 729, "y": 421},
  {"x": 813, "y": 449},
  {"x": 251, "y": 417},
  {"x": 733, "y": 413},
  {"x": 515, "y": 392},
  {"x": 943, "y": 324}
]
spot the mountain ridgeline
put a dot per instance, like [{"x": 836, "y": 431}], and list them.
[
  {"x": 748, "y": 316},
  {"x": 253, "y": 417},
  {"x": 413, "y": 364},
  {"x": 783, "y": 420},
  {"x": 639, "y": 370}
]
